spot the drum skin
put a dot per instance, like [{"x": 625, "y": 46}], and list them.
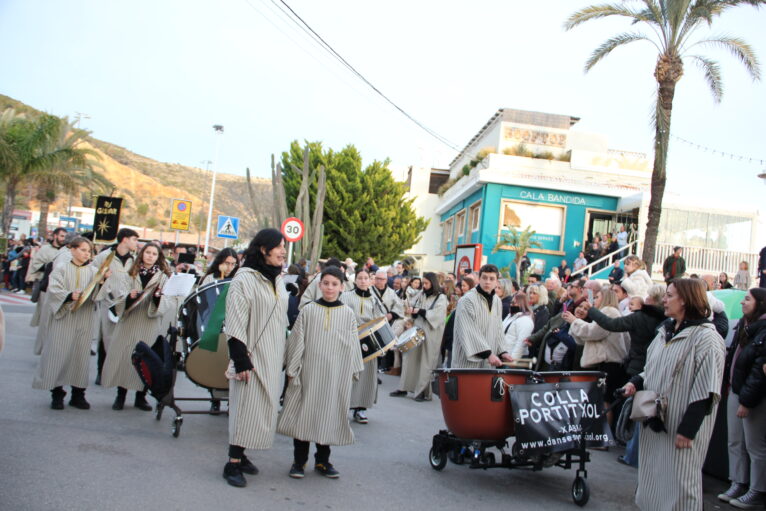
[
  {"x": 474, "y": 414},
  {"x": 208, "y": 368},
  {"x": 574, "y": 376}
]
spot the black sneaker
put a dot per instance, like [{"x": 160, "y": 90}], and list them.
[
  {"x": 141, "y": 402},
  {"x": 296, "y": 471},
  {"x": 327, "y": 470},
  {"x": 246, "y": 466},
  {"x": 78, "y": 401},
  {"x": 232, "y": 472},
  {"x": 57, "y": 403},
  {"x": 119, "y": 403},
  {"x": 398, "y": 393}
]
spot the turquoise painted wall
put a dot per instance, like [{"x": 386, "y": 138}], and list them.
[
  {"x": 466, "y": 236},
  {"x": 492, "y": 194}
]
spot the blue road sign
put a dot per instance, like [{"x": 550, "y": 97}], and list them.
[{"x": 228, "y": 227}]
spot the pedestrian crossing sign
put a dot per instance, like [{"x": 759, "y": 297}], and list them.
[{"x": 228, "y": 227}]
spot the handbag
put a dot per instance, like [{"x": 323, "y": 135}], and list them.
[{"x": 648, "y": 404}]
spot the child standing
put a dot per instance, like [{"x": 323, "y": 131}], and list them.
[
  {"x": 323, "y": 358},
  {"x": 742, "y": 278}
]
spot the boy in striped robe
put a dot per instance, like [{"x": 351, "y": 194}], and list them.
[{"x": 323, "y": 358}]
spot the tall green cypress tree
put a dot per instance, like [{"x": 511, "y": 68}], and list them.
[{"x": 365, "y": 212}]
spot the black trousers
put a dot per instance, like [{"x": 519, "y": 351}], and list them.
[{"x": 301, "y": 452}]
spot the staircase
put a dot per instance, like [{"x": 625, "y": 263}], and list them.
[{"x": 600, "y": 268}]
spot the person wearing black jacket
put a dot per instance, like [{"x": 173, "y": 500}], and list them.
[{"x": 746, "y": 408}]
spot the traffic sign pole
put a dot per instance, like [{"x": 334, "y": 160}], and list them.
[{"x": 290, "y": 254}]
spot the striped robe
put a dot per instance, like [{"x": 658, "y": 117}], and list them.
[
  {"x": 323, "y": 358},
  {"x": 477, "y": 329},
  {"x": 364, "y": 392},
  {"x": 45, "y": 255},
  {"x": 256, "y": 314},
  {"x": 110, "y": 294},
  {"x": 670, "y": 478},
  {"x": 140, "y": 324},
  {"x": 419, "y": 362},
  {"x": 66, "y": 352},
  {"x": 61, "y": 258}
]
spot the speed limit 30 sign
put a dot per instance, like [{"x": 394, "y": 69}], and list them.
[{"x": 293, "y": 229}]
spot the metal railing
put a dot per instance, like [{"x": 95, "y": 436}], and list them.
[
  {"x": 607, "y": 260},
  {"x": 707, "y": 260}
]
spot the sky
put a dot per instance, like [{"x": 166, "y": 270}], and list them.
[{"x": 154, "y": 77}]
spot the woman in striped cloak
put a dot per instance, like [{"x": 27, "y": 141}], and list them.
[
  {"x": 364, "y": 392},
  {"x": 149, "y": 275},
  {"x": 429, "y": 313},
  {"x": 256, "y": 324},
  {"x": 685, "y": 364},
  {"x": 66, "y": 353},
  {"x": 323, "y": 359}
]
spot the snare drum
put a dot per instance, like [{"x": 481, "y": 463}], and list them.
[
  {"x": 411, "y": 338},
  {"x": 375, "y": 337}
]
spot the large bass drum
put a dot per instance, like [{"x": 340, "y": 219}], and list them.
[{"x": 204, "y": 367}]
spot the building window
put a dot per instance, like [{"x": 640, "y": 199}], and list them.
[
  {"x": 547, "y": 220},
  {"x": 447, "y": 235},
  {"x": 474, "y": 216},
  {"x": 460, "y": 224}
]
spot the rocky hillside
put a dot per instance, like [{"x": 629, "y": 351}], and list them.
[{"x": 148, "y": 186}]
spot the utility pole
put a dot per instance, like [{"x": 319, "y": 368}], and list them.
[
  {"x": 219, "y": 131},
  {"x": 207, "y": 164}
]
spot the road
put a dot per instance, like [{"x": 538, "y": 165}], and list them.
[{"x": 102, "y": 459}]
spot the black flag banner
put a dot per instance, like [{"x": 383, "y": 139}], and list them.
[
  {"x": 107, "y": 219},
  {"x": 553, "y": 417}
]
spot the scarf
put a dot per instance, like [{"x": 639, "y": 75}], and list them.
[
  {"x": 364, "y": 294},
  {"x": 270, "y": 272},
  {"x": 487, "y": 296}
]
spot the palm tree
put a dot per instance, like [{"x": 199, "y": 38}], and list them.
[
  {"x": 42, "y": 150},
  {"x": 672, "y": 26},
  {"x": 520, "y": 242},
  {"x": 72, "y": 169}
]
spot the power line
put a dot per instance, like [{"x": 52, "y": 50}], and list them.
[{"x": 328, "y": 48}]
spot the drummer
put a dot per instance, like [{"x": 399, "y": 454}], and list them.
[
  {"x": 394, "y": 310},
  {"x": 256, "y": 322},
  {"x": 142, "y": 323},
  {"x": 364, "y": 392},
  {"x": 478, "y": 335},
  {"x": 429, "y": 313},
  {"x": 224, "y": 266}
]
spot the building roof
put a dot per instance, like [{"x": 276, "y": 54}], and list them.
[{"x": 520, "y": 117}]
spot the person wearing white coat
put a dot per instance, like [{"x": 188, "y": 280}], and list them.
[
  {"x": 517, "y": 327},
  {"x": 636, "y": 282}
]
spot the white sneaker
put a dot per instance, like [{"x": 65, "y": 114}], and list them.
[
  {"x": 360, "y": 417},
  {"x": 751, "y": 500},
  {"x": 735, "y": 491}
]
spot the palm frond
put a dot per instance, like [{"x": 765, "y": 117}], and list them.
[
  {"x": 612, "y": 43},
  {"x": 712, "y": 72},
  {"x": 740, "y": 49},
  {"x": 593, "y": 12}
]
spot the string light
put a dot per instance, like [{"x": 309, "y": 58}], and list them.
[{"x": 723, "y": 154}]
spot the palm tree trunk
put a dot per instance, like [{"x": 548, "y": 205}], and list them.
[
  {"x": 665, "y": 95},
  {"x": 10, "y": 199},
  {"x": 42, "y": 224}
]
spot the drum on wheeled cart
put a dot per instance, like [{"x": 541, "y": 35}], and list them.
[
  {"x": 203, "y": 367},
  {"x": 477, "y": 411}
]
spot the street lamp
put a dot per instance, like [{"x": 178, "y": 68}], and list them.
[{"x": 219, "y": 131}]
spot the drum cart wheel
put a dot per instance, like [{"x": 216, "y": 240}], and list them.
[
  {"x": 580, "y": 491},
  {"x": 158, "y": 411},
  {"x": 456, "y": 455},
  {"x": 437, "y": 457},
  {"x": 177, "y": 426}
]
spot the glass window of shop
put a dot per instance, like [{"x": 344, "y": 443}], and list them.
[{"x": 705, "y": 230}]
